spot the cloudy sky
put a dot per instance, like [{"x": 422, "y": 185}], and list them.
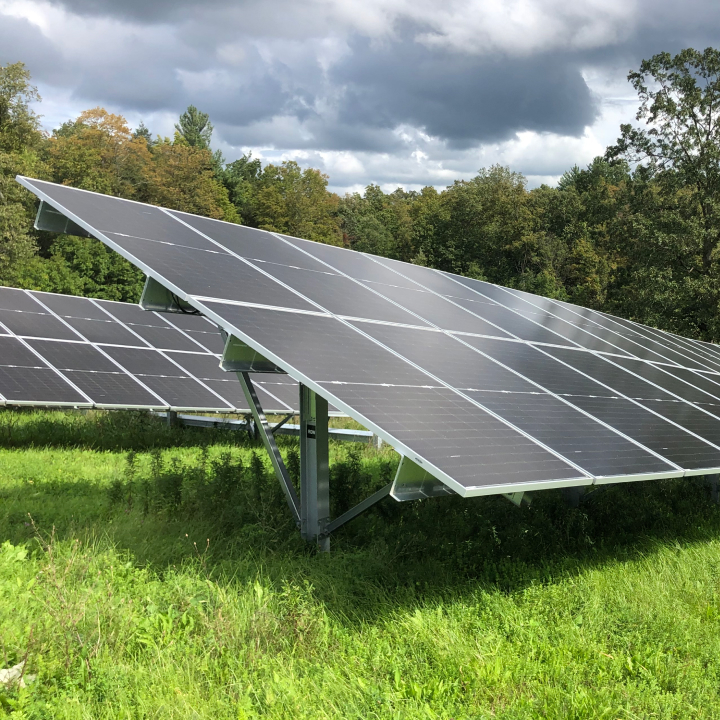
[{"x": 396, "y": 92}]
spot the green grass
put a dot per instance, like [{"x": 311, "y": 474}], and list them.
[{"x": 148, "y": 572}]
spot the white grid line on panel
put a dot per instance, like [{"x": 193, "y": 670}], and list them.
[
  {"x": 532, "y": 382},
  {"x": 160, "y": 316},
  {"x": 163, "y": 404},
  {"x": 695, "y": 387},
  {"x": 568, "y": 307},
  {"x": 260, "y": 306},
  {"x": 667, "y": 360},
  {"x": 605, "y": 357},
  {"x": 417, "y": 367},
  {"x": 165, "y": 242},
  {"x": 229, "y": 407},
  {"x": 50, "y": 366},
  {"x": 633, "y": 400},
  {"x": 449, "y": 276},
  {"x": 667, "y": 340},
  {"x": 274, "y": 397},
  {"x": 680, "y": 342},
  {"x": 669, "y": 392}
]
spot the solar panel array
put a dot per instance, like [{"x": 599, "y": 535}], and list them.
[
  {"x": 61, "y": 350},
  {"x": 490, "y": 389}
]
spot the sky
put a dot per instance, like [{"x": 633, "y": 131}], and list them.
[{"x": 394, "y": 92}]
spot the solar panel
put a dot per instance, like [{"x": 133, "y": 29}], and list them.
[
  {"x": 488, "y": 389},
  {"x": 61, "y": 350}
]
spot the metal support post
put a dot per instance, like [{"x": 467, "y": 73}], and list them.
[
  {"x": 282, "y": 422},
  {"x": 263, "y": 429},
  {"x": 713, "y": 482},
  {"x": 359, "y": 508},
  {"x": 573, "y": 495},
  {"x": 171, "y": 418},
  {"x": 314, "y": 469}
]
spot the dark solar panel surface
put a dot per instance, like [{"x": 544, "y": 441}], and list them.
[
  {"x": 33, "y": 385},
  {"x": 471, "y": 446},
  {"x": 75, "y": 340},
  {"x": 505, "y": 388},
  {"x": 35, "y": 324},
  {"x": 340, "y": 295},
  {"x": 562, "y": 427},
  {"x": 224, "y": 276}
]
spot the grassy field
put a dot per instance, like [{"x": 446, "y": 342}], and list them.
[{"x": 148, "y": 572}]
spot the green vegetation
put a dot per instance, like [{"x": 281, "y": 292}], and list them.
[
  {"x": 154, "y": 572},
  {"x": 131, "y": 594},
  {"x": 635, "y": 233}
]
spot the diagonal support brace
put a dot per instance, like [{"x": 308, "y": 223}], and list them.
[
  {"x": 263, "y": 428},
  {"x": 275, "y": 428},
  {"x": 359, "y": 508}
]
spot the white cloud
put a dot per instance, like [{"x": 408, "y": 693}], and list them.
[
  {"x": 487, "y": 26},
  {"x": 397, "y": 92}
]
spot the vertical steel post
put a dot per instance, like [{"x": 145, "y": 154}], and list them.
[
  {"x": 314, "y": 469},
  {"x": 712, "y": 481},
  {"x": 171, "y": 418}
]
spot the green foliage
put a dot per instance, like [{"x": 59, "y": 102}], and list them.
[
  {"x": 155, "y": 573},
  {"x": 241, "y": 178},
  {"x": 673, "y": 208},
  {"x": 195, "y": 128},
  {"x": 141, "y": 131},
  {"x": 640, "y": 243},
  {"x": 20, "y": 139},
  {"x": 288, "y": 199},
  {"x": 85, "y": 266},
  {"x": 19, "y": 124}
]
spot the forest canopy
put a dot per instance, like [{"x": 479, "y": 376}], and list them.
[{"x": 635, "y": 233}]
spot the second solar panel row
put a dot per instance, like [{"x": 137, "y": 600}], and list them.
[{"x": 65, "y": 350}]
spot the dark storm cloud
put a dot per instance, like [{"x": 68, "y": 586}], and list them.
[
  {"x": 21, "y": 41},
  {"x": 274, "y": 87},
  {"x": 461, "y": 98},
  {"x": 162, "y": 11}
]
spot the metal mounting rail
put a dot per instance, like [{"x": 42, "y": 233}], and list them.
[{"x": 361, "y": 436}]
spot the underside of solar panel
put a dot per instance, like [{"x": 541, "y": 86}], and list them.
[{"x": 482, "y": 389}]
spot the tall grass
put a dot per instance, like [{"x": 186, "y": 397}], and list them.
[{"x": 157, "y": 574}]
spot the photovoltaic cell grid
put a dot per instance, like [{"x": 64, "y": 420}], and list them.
[
  {"x": 61, "y": 350},
  {"x": 488, "y": 388}
]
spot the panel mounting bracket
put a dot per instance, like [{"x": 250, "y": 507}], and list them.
[
  {"x": 518, "y": 498},
  {"x": 50, "y": 220},
  {"x": 240, "y": 357},
  {"x": 413, "y": 482},
  {"x": 158, "y": 298}
]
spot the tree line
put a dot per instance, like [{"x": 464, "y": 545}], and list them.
[{"x": 635, "y": 233}]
